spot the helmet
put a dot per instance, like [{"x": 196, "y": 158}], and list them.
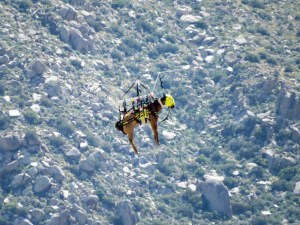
[{"x": 170, "y": 102}]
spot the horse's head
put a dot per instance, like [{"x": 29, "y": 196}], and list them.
[{"x": 168, "y": 101}]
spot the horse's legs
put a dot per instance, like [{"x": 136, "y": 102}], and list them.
[
  {"x": 153, "y": 123},
  {"x": 130, "y": 137}
]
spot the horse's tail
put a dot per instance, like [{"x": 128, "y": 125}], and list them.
[{"x": 119, "y": 126}]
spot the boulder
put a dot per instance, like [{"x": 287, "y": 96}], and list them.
[
  {"x": 38, "y": 67},
  {"x": 73, "y": 154},
  {"x": 125, "y": 212},
  {"x": 190, "y": 18},
  {"x": 208, "y": 40},
  {"x": 79, "y": 215},
  {"x": 22, "y": 221},
  {"x": 14, "y": 113},
  {"x": 297, "y": 188},
  {"x": 4, "y": 59},
  {"x": 217, "y": 195},
  {"x": 78, "y": 42},
  {"x": 241, "y": 40},
  {"x": 68, "y": 13},
  {"x": 288, "y": 105},
  {"x": 10, "y": 143},
  {"x": 59, "y": 218},
  {"x": 230, "y": 58},
  {"x": 37, "y": 215},
  {"x": 19, "y": 180},
  {"x": 183, "y": 10},
  {"x": 296, "y": 135},
  {"x": 42, "y": 184},
  {"x": 64, "y": 34},
  {"x": 57, "y": 173},
  {"x": 197, "y": 39},
  {"x": 88, "y": 164}
]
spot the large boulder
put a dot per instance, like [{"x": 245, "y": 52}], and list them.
[
  {"x": 297, "y": 188},
  {"x": 22, "y": 221},
  {"x": 217, "y": 195},
  {"x": 57, "y": 173},
  {"x": 38, "y": 67},
  {"x": 288, "y": 105},
  {"x": 37, "y": 215},
  {"x": 59, "y": 218},
  {"x": 78, "y": 42},
  {"x": 68, "y": 13},
  {"x": 4, "y": 59},
  {"x": 10, "y": 143},
  {"x": 64, "y": 34},
  {"x": 230, "y": 58},
  {"x": 125, "y": 212},
  {"x": 42, "y": 184}
]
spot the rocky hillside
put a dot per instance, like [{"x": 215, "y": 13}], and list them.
[{"x": 229, "y": 152}]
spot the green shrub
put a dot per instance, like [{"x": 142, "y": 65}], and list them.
[
  {"x": 31, "y": 136},
  {"x": 298, "y": 33},
  {"x": 252, "y": 58},
  {"x": 240, "y": 207},
  {"x": 288, "y": 173},
  {"x": 199, "y": 172},
  {"x": 56, "y": 141},
  {"x": 46, "y": 102},
  {"x": 117, "y": 55},
  {"x": 272, "y": 61},
  {"x": 262, "y": 31},
  {"x": 31, "y": 117},
  {"x": 65, "y": 127},
  {"x": 167, "y": 48},
  {"x": 231, "y": 182},
  {"x": 24, "y": 5},
  {"x": 288, "y": 69},
  {"x": 4, "y": 122},
  {"x": 2, "y": 89},
  {"x": 201, "y": 24},
  {"x": 116, "y": 4},
  {"x": 144, "y": 26}
]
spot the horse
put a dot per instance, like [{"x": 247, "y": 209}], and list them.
[{"x": 150, "y": 112}]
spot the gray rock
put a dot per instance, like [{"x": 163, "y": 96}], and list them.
[
  {"x": 288, "y": 105},
  {"x": 296, "y": 135},
  {"x": 78, "y": 42},
  {"x": 126, "y": 213},
  {"x": 230, "y": 58},
  {"x": 38, "y": 67},
  {"x": 57, "y": 173},
  {"x": 22, "y": 221},
  {"x": 208, "y": 40},
  {"x": 217, "y": 195},
  {"x": 12, "y": 166},
  {"x": 88, "y": 164},
  {"x": 68, "y": 13},
  {"x": 59, "y": 218},
  {"x": 80, "y": 216},
  {"x": 20, "y": 180},
  {"x": 148, "y": 167},
  {"x": 64, "y": 34},
  {"x": 73, "y": 154},
  {"x": 297, "y": 188},
  {"x": 4, "y": 59},
  {"x": 10, "y": 143},
  {"x": 37, "y": 215},
  {"x": 42, "y": 184},
  {"x": 287, "y": 161},
  {"x": 199, "y": 38},
  {"x": 53, "y": 88},
  {"x": 184, "y": 10},
  {"x": 190, "y": 18}
]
